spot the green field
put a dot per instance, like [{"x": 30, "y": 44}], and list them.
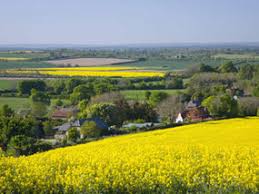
[
  {"x": 173, "y": 64},
  {"x": 24, "y": 54},
  {"x": 140, "y": 94},
  {"x": 17, "y": 103},
  {"x": 23, "y": 64},
  {"x": 237, "y": 56},
  {"x": 8, "y": 84}
]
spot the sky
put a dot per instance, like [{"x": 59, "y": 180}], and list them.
[{"x": 128, "y": 21}]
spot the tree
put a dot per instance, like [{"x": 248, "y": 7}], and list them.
[
  {"x": 82, "y": 105},
  {"x": 157, "y": 97},
  {"x": 256, "y": 91},
  {"x": 206, "y": 68},
  {"x": 248, "y": 106},
  {"x": 12, "y": 126},
  {"x": 108, "y": 112},
  {"x": 109, "y": 97},
  {"x": 246, "y": 72},
  {"x": 73, "y": 134},
  {"x": 143, "y": 111},
  {"x": 103, "y": 87},
  {"x": 21, "y": 145},
  {"x": 81, "y": 92},
  {"x": 39, "y": 103},
  {"x": 39, "y": 109},
  {"x": 147, "y": 95},
  {"x": 228, "y": 67},
  {"x": 71, "y": 84},
  {"x": 174, "y": 83},
  {"x": 59, "y": 102},
  {"x": 221, "y": 106},
  {"x": 38, "y": 96},
  {"x": 26, "y": 86},
  {"x": 91, "y": 130},
  {"x": 169, "y": 108},
  {"x": 6, "y": 111},
  {"x": 48, "y": 128}
]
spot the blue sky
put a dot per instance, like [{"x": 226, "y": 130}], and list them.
[{"x": 128, "y": 21}]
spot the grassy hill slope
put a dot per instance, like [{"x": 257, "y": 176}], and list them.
[{"x": 216, "y": 156}]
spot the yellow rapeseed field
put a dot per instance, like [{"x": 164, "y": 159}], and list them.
[
  {"x": 212, "y": 157},
  {"x": 104, "y": 73},
  {"x": 88, "y": 69},
  {"x": 91, "y": 71},
  {"x": 13, "y": 59}
]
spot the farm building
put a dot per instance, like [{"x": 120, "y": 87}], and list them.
[
  {"x": 193, "y": 112},
  {"x": 64, "y": 113},
  {"x": 141, "y": 125},
  {"x": 63, "y": 129}
]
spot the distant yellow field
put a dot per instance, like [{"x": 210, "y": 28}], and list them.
[
  {"x": 13, "y": 59},
  {"x": 104, "y": 73},
  {"x": 88, "y": 69},
  {"x": 211, "y": 157},
  {"x": 91, "y": 71}
]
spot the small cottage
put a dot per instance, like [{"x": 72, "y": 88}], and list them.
[
  {"x": 194, "y": 112},
  {"x": 64, "y": 113},
  {"x": 63, "y": 129}
]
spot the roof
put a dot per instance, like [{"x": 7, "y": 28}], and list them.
[
  {"x": 197, "y": 113},
  {"x": 99, "y": 122},
  {"x": 65, "y": 127},
  {"x": 63, "y": 112},
  {"x": 140, "y": 125},
  {"x": 78, "y": 123},
  {"x": 193, "y": 104}
]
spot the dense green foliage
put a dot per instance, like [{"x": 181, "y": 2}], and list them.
[
  {"x": 25, "y": 87},
  {"x": 91, "y": 130}
]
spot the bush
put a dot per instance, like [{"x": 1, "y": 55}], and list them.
[
  {"x": 21, "y": 145},
  {"x": 48, "y": 128},
  {"x": 91, "y": 130},
  {"x": 221, "y": 106},
  {"x": 73, "y": 135},
  {"x": 157, "y": 97},
  {"x": 248, "y": 106},
  {"x": 108, "y": 112},
  {"x": 25, "y": 86},
  {"x": 59, "y": 103}
]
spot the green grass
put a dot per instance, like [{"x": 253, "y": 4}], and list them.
[
  {"x": 20, "y": 54},
  {"x": 17, "y": 103},
  {"x": 8, "y": 84},
  {"x": 173, "y": 64},
  {"x": 140, "y": 94},
  {"x": 23, "y": 64},
  {"x": 237, "y": 56}
]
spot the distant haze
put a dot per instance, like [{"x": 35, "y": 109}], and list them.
[{"x": 117, "y": 22}]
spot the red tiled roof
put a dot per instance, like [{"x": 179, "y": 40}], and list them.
[{"x": 63, "y": 113}]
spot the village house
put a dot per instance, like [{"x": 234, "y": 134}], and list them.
[
  {"x": 193, "y": 112},
  {"x": 62, "y": 130},
  {"x": 64, "y": 113},
  {"x": 141, "y": 125}
]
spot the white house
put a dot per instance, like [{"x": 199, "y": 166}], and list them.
[{"x": 179, "y": 118}]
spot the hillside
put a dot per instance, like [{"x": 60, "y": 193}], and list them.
[{"x": 216, "y": 156}]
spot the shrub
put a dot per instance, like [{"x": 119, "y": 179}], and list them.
[
  {"x": 73, "y": 134},
  {"x": 91, "y": 130}
]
